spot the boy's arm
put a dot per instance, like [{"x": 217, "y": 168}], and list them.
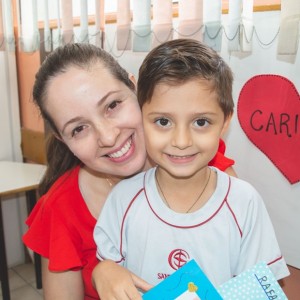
[
  {"x": 115, "y": 282},
  {"x": 230, "y": 171}
]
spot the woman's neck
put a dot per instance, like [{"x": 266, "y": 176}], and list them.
[{"x": 94, "y": 188}]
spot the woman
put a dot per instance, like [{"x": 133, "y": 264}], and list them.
[{"x": 90, "y": 104}]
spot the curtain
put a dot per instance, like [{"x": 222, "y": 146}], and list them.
[
  {"x": 162, "y": 22},
  {"x": 123, "y": 25},
  {"x": 289, "y": 27},
  {"x": 190, "y": 19},
  {"x": 47, "y": 32},
  {"x": 142, "y": 25},
  {"x": 212, "y": 13},
  {"x": 2, "y": 38},
  {"x": 66, "y": 21},
  {"x": 29, "y": 41}
]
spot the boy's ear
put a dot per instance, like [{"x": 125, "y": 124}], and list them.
[
  {"x": 226, "y": 124},
  {"x": 132, "y": 78}
]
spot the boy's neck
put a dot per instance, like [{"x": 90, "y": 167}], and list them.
[{"x": 185, "y": 195}]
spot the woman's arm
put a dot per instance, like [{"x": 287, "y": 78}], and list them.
[
  {"x": 115, "y": 282},
  {"x": 61, "y": 285},
  {"x": 230, "y": 171}
]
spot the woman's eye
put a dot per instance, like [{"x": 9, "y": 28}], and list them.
[
  {"x": 202, "y": 123},
  {"x": 113, "y": 104},
  {"x": 77, "y": 130},
  {"x": 162, "y": 122}
]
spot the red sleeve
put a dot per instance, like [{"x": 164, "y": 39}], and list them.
[
  {"x": 50, "y": 233},
  {"x": 49, "y": 236},
  {"x": 220, "y": 161}
]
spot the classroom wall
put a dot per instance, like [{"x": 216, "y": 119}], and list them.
[
  {"x": 10, "y": 150},
  {"x": 282, "y": 199}
]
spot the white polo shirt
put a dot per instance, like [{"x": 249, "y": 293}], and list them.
[{"x": 229, "y": 234}]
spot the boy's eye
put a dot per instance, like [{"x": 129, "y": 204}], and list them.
[
  {"x": 201, "y": 123},
  {"x": 162, "y": 122}
]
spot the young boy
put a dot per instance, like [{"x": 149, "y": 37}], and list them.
[{"x": 156, "y": 221}]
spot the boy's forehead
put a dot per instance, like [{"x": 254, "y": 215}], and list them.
[{"x": 167, "y": 84}]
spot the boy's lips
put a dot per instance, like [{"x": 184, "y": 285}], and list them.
[{"x": 181, "y": 158}]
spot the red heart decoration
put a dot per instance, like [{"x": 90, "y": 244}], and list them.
[{"x": 269, "y": 114}]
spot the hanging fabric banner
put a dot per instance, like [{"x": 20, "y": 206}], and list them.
[
  {"x": 67, "y": 21},
  {"x": 247, "y": 26},
  {"x": 2, "y": 36},
  {"x": 9, "y": 26},
  {"x": 234, "y": 20},
  {"x": 212, "y": 12},
  {"x": 288, "y": 38},
  {"x": 162, "y": 21},
  {"x": 141, "y": 25},
  {"x": 56, "y": 33},
  {"x": 123, "y": 25},
  {"x": 47, "y": 33},
  {"x": 97, "y": 32},
  {"x": 99, "y": 23},
  {"x": 190, "y": 14},
  {"x": 102, "y": 22},
  {"x": 29, "y": 41},
  {"x": 84, "y": 22}
]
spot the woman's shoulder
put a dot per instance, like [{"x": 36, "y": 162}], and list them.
[
  {"x": 66, "y": 186},
  {"x": 63, "y": 197}
]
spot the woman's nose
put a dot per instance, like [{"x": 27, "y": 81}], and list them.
[
  {"x": 107, "y": 134},
  {"x": 182, "y": 137}
]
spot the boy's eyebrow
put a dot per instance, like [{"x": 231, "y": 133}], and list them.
[
  {"x": 167, "y": 113},
  {"x": 98, "y": 104}
]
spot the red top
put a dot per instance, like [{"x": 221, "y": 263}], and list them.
[
  {"x": 61, "y": 226},
  {"x": 220, "y": 161},
  {"x": 61, "y": 229}
]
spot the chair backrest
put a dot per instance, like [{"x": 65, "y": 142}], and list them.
[{"x": 33, "y": 146}]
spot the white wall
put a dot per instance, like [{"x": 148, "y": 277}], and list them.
[
  {"x": 10, "y": 150},
  {"x": 282, "y": 199}
]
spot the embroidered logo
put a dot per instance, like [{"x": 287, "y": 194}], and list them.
[{"x": 177, "y": 258}]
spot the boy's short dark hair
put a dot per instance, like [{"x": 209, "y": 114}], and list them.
[{"x": 181, "y": 60}]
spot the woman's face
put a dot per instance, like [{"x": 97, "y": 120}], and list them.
[{"x": 99, "y": 119}]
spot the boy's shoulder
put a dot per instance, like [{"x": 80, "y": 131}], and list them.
[{"x": 238, "y": 188}]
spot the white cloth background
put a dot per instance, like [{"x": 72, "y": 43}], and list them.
[{"x": 282, "y": 199}]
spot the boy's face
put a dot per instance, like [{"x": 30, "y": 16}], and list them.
[{"x": 183, "y": 125}]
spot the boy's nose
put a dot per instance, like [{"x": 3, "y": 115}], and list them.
[{"x": 182, "y": 138}]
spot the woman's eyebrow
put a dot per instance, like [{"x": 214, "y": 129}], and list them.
[{"x": 106, "y": 96}]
